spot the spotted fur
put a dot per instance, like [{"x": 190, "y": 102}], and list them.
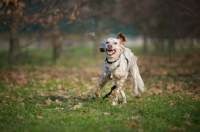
[{"x": 117, "y": 53}]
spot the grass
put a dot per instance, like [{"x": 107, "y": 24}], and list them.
[{"x": 38, "y": 96}]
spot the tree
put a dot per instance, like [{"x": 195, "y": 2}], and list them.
[
  {"x": 162, "y": 20},
  {"x": 12, "y": 11},
  {"x": 46, "y": 13}
]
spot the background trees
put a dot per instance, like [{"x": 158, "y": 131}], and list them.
[{"x": 163, "y": 22}]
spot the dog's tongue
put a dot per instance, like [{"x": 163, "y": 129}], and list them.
[{"x": 110, "y": 52}]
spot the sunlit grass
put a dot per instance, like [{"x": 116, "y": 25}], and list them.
[{"x": 37, "y": 95}]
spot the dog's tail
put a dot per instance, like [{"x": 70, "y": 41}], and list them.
[{"x": 139, "y": 80}]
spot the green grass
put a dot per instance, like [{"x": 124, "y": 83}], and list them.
[{"x": 38, "y": 96}]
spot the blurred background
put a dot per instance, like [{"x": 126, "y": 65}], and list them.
[{"x": 59, "y": 26}]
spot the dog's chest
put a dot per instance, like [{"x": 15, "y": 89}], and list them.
[{"x": 120, "y": 71}]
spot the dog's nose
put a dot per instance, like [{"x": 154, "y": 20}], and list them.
[{"x": 110, "y": 46}]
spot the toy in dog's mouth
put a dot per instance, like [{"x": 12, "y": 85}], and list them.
[{"x": 110, "y": 51}]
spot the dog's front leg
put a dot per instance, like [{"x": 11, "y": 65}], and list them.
[
  {"x": 102, "y": 82},
  {"x": 119, "y": 90}
]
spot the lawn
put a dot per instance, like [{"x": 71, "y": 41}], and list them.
[{"x": 36, "y": 95}]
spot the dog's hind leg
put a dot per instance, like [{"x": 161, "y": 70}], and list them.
[
  {"x": 134, "y": 70},
  {"x": 133, "y": 74}
]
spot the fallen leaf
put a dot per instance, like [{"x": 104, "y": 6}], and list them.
[
  {"x": 179, "y": 88},
  {"x": 58, "y": 108},
  {"x": 171, "y": 102},
  {"x": 58, "y": 102},
  {"x": 106, "y": 113},
  {"x": 20, "y": 99},
  {"x": 175, "y": 128},
  {"x": 59, "y": 86},
  {"x": 13, "y": 97},
  {"x": 138, "y": 117},
  {"x": 170, "y": 86},
  {"x": 78, "y": 106},
  {"x": 157, "y": 91},
  {"x": 48, "y": 101},
  {"x": 188, "y": 123},
  {"x": 181, "y": 98},
  {"x": 39, "y": 116},
  {"x": 196, "y": 97},
  {"x": 187, "y": 115},
  {"x": 133, "y": 125}
]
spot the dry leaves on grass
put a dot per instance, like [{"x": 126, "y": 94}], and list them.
[
  {"x": 58, "y": 102},
  {"x": 187, "y": 116},
  {"x": 172, "y": 103},
  {"x": 196, "y": 97},
  {"x": 48, "y": 101},
  {"x": 136, "y": 118},
  {"x": 156, "y": 91},
  {"x": 188, "y": 123},
  {"x": 13, "y": 97},
  {"x": 177, "y": 129},
  {"x": 78, "y": 106},
  {"x": 133, "y": 125},
  {"x": 39, "y": 116},
  {"x": 106, "y": 113}
]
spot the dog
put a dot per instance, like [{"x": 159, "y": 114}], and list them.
[{"x": 118, "y": 63}]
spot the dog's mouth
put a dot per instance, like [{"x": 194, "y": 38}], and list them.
[{"x": 110, "y": 51}]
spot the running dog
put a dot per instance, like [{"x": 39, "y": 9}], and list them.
[{"x": 118, "y": 63}]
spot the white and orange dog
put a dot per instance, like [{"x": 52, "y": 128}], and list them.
[{"x": 119, "y": 62}]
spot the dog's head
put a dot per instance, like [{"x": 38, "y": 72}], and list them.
[{"x": 113, "y": 46}]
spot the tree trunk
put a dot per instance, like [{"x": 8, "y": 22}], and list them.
[
  {"x": 95, "y": 47},
  {"x": 145, "y": 43},
  {"x": 56, "y": 43},
  {"x": 14, "y": 45},
  {"x": 170, "y": 30}
]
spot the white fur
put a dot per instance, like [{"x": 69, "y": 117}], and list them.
[{"x": 119, "y": 76}]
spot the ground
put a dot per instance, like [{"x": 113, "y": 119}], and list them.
[{"x": 36, "y": 95}]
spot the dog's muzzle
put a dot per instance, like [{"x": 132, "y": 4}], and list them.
[{"x": 110, "y": 51}]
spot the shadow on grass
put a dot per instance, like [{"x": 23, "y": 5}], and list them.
[
  {"x": 71, "y": 98},
  {"x": 54, "y": 98}
]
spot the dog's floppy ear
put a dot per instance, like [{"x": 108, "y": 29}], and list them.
[
  {"x": 121, "y": 37},
  {"x": 101, "y": 50}
]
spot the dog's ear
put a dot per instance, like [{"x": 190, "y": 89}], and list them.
[
  {"x": 101, "y": 50},
  {"x": 121, "y": 37}
]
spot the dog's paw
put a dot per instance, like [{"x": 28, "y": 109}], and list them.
[
  {"x": 98, "y": 95},
  {"x": 138, "y": 96},
  {"x": 124, "y": 102},
  {"x": 114, "y": 103}
]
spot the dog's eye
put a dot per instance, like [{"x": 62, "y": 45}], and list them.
[
  {"x": 115, "y": 42},
  {"x": 107, "y": 42}
]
